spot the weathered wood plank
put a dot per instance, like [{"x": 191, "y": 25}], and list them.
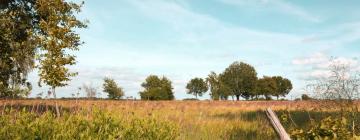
[{"x": 277, "y": 125}]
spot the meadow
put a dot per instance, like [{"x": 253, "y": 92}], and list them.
[{"x": 183, "y": 120}]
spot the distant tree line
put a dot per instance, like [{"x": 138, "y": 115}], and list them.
[{"x": 240, "y": 80}]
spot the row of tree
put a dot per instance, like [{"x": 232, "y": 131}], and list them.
[{"x": 239, "y": 80}]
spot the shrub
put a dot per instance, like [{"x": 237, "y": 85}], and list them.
[
  {"x": 305, "y": 97},
  {"x": 328, "y": 128},
  {"x": 97, "y": 125}
]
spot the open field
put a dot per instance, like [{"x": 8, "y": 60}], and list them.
[{"x": 186, "y": 119}]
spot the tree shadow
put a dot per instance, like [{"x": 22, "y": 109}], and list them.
[
  {"x": 244, "y": 115},
  {"x": 36, "y": 108}
]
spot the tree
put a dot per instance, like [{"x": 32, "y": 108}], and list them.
[
  {"x": 343, "y": 84},
  {"x": 90, "y": 90},
  {"x": 156, "y": 88},
  {"x": 283, "y": 86},
  {"x": 197, "y": 87},
  {"x": 218, "y": 90},
  {"x": 341, "y": 87},
  {"x": 56, "y": 38},
  {"x": 42, "y": 28},
  {"x": 305, "y": 97},
  {"x": 18, "y": 18},
  {"x": 113, "y": 90},
  {"x": 214, "y": 85},
  {"x": 240, "y": 78},
  {"x": 266, "y": 86}
]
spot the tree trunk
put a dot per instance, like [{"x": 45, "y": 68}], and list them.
[
  {"x": 237, "y": 97},
  {"x": 56, "y": 104}
]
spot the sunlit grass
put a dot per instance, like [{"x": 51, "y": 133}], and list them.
[{"x": 193, "y": 120}]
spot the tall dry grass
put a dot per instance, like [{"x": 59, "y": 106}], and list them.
[{"x": 195, "y": 119}]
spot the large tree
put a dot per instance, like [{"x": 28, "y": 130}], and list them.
[
  {"x": 266, "y": 86},
  {"x": 197, "y": 87},
  {"x": 156, "y": 88},
  {"x": 113, "y": 90},
  {"x": 218, "y": 90},
  {"x": 283, "y": 86},
  {"x": 240, "y": 78},
  {"x": 42, "y": 28},
  {"x": 18, "y": 19}
]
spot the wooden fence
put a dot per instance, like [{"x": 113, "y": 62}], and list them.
[{"x": 277, "y": 125}]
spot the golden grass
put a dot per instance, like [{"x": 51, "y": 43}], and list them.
[{"x": 196, "y": 119}]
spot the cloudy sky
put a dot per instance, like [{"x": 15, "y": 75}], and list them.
[{"x": 181, "y": 39}]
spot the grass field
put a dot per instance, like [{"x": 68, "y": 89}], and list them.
[{"x": 188, "y": 120}]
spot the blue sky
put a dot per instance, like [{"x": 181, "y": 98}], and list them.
[{"x": 181, "y": 39}]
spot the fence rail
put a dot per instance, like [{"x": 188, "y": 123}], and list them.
[{"x": 277, "y": 125}]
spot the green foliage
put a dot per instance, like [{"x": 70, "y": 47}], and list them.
[
  {"x": 240, "y": 78},
  {"x": 328, "y": 128},
  {"x": 305, "y": 97},
  {"x": 100, "y": 125},
  {"x": 266, "y": 86},
  {"x": 197, "y": 87},
  {"x": 113, "y": 90},
  {"x": 43, "y": 29},
  {"x": 18, "y": 19},
  {"x": 157, "y": 89},
  {"x": 57, "y": 37},
  {"x": 218, "y": 90},
  {"x": 283, "y": 86}
]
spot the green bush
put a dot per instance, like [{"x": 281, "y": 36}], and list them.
[
  {"x": 328, "y": 128},
  {"x": 96, "y": 125}
]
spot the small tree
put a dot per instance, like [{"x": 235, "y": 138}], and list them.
[
  {"x": 56, "y": 38},
  {"x": 156, "y": 88},
  {"x": 218, "y": 90},
  {"x": 341, "y": 87},
  {"x": 90, "y": 91},
  {"x": 197, "y": 87},
  {"x": 113, "y": 90}
]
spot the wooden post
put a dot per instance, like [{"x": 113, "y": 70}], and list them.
[{"x": 277, "y": 125}]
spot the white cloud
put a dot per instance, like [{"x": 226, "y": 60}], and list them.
[
  {"x": 276, "y": 5},
  {"x": 313, "y": 59},
  {"x": 319, "y": 64},
  {"x": 203, "y": 30}
]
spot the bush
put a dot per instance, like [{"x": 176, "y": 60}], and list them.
[
  {"x": 305, "y": 97},
  {"x": 328, "y": 128},
  {"x": 99, "y": 125}
]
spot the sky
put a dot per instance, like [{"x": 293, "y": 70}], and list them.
[{"x": 181, "y": 39}]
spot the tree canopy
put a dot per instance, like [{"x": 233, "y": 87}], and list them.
[
  {"x": 283, "y": 86},
  {"x": 18, "y": 18},
  {"x": 197, "y": 87},
  {"x": 113, "y": 90},
  {"x": 266, "y": 86},
  {"x": 156, "y": 88},
  {"x": 42, "y": 29},
  {"x": 218, "y": 90},
  {"x": 240, "y": 78}
]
